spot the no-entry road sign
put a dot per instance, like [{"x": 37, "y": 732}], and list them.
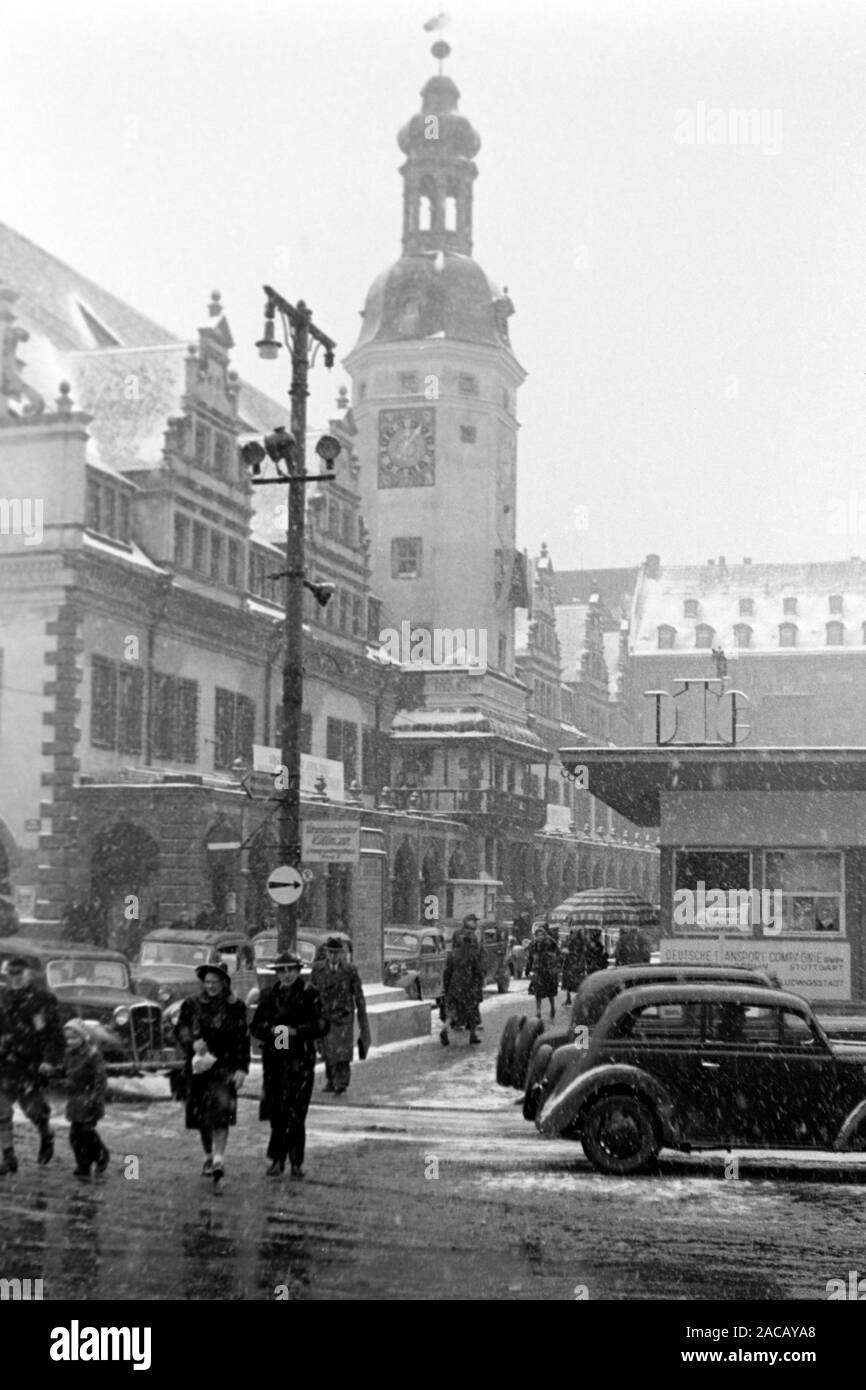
[{"x": 285, "y": 884}]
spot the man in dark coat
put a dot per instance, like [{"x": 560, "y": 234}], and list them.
[
  {"x": 212, "y": 1030},
  {"x": 574, "y": 965},
  {"x": 463, "y": 983},
  {"x": 542, "y": 963},
  {"x": 31, "y": 1044},
  {"x": 632, "y": 947},
  {"x": 288, "y": 1023},
  {"x": 342, "y": 994}
]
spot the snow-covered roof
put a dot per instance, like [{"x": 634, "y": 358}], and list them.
[{"x": 126, "y": 554}]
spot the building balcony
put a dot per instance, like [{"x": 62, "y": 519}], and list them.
[{"x": 456, "y": 802}]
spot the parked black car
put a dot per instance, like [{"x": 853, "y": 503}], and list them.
[
  {"x": 94, "y": 985},
  {"x": 414, "y": 960},
  {"x": 694, "y": 1066},
  {"x": 522, "y": 1037}
]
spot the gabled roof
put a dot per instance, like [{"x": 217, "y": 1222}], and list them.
[{"x": 70, "y": 310}]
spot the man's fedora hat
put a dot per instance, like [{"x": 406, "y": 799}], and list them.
[
  {"x": 287, "y": 961},
  {"x": 334, "y": 943}
]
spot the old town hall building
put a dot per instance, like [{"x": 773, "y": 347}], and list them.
[{"x": 140, "y": 620}]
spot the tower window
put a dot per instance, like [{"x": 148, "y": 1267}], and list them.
[
  {"x": 788, "y": 633},
  {"x": 216, "y": 556},
  {"x": 742, "y": 635},
  {"x": 451, "y": 213},
  {"x": 835, "y": 634},
  {"x": 467, "y": 384},
  {"x": 747, "y": 608},
  {"x": 789, "y": 605},
  {"x": 690, "y": 608},
  {"x": 666, "y": 637},
  {"x": 468, "y": 434},
  {"x": 202, "y": 445},
  {"x": 835, "y": 603},
  {"x": 425, "y": 213},
  {"x": 406, "y": 557},
  {"x": 704, "y": 635}
]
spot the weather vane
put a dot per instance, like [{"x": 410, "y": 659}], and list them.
[{"x": 440, "y": 49}]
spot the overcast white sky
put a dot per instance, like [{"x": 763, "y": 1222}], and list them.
[{"x": 692, "y": 317}]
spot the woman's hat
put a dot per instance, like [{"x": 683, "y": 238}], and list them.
[
  {"x": 287, "y": 960},
  {"x": 75, "y": 1025},
  {"x": 214, "y": 969}
]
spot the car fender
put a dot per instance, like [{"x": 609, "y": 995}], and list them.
[
  {"x": 561, "y": 1109},
  {"x": 855, "y": 1121}
]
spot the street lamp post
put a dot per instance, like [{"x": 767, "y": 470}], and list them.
[{"x": 288, "y": 449}]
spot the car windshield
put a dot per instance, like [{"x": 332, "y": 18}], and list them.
[
  {"x": 105, "y": 974},
  {"x": 174, "y": 953}
]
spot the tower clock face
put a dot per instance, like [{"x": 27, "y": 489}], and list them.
[{"x": 407, "y": 447}]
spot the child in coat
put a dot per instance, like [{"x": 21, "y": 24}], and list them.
[{"x": 86, "y": 1081}]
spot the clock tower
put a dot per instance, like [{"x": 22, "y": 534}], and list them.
[{"x": 435, "y": 383}]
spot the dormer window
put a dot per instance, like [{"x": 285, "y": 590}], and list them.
[
  {"x": 747, "y": 608},
  {"x": 789, "y": 606},
  {"x": 743, "y": 635},
  {"x": 667, "y": 637},
  {"x": 835, "y": 603},
  {"x": 704, "y": 635},
  {"x": 788, "y": 634},
  {"x": 690, "y": 608},
  {"x": 835, "y": 634},
  {"x": 107, "y": 508}
]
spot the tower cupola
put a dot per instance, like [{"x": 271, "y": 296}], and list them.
[{"x": 440, "y": 145}]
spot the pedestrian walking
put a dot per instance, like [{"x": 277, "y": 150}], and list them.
[
  {"x": 574, "y": 967},
  {"x": 543, "y": 965},
  {"x": 596, "y": 955},
  {"x": 31, "y": 1045},
  {"x": 212, "y": 1030},
  {"x": 288, "y": 1023},
  {"x": 87, "y": 1083},
  {"x": 342, "y": 994},
  {"x": 463, "y": 983}
]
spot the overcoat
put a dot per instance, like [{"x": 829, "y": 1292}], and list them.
[
  {"x": 463, "y": 982},
  {"x": 542, "y": 963},
  {"x": 221, "y": 1023},
  {"x": 341, "y": 993},
  {"x": 87, "y": 1082},
  {"x": 288, "y": 1063},
  {"x": 30, "y": 1034}
]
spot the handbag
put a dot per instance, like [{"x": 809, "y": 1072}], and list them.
[{"x": 363, "y": 1049}]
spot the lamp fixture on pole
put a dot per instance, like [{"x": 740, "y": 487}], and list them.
[{"x": 285, "y": 448}]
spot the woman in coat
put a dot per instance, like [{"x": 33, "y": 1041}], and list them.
[
  {"x": 543, "y": 966},
  {"x": 212, "y": 1030},
  {"x": 288, "y": 1022}
]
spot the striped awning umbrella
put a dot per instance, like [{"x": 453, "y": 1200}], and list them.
[{"x": 604, "y": 907}]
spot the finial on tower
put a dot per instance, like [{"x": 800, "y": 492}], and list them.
[{"x": 440, "y": 49}]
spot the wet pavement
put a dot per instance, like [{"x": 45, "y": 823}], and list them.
[{"x": 423, "y": 1182}]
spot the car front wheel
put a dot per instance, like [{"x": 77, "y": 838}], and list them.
[{"x": 619, "y": 1135}]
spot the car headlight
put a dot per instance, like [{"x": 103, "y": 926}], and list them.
[{"x": 121, "y": 1016}]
